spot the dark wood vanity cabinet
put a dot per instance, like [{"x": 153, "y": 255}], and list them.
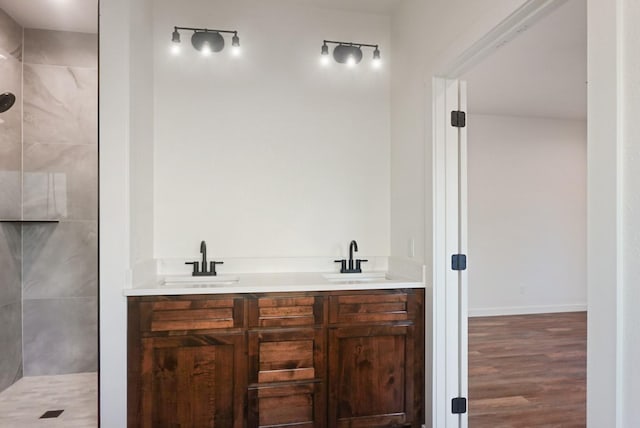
[
  {"x": 313, "y": 359},
  {"x": 376, "y": 359},
  {"x": 186, "y": 362}
]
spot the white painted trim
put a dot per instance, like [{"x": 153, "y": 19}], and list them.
[
  {"x": 439, "y": 403},
  {"x": 526, "y": 310},
  {"x": 452, "y": 246},
  {"x": 620, "y": 209},
  {"x": 463, "y": 238},
  {"x": 519, "y": 21}
]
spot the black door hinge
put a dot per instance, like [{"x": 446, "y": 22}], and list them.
[
  {"x": 459, "y": 405},
  {"x": 459, "y": 262},
  {"x": 458, "y": 119}
]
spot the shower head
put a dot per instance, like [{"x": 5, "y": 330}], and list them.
[{"x": 6, "y": 101}]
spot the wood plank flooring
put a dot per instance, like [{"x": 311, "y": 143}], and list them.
[{"x": 528, "y": 371}]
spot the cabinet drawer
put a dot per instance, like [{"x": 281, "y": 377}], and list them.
[
  {"x": 299, "y": 406},
  {"x": 192, "y": 314},
  {"x": 286, "y": 356},
  {"x": 357, "y": 308},
  {"x": 285, "y": 311}
]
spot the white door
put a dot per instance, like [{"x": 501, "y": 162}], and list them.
[{"x": 450, "y": 244}]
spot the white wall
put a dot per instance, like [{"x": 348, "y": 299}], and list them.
[
  {"x": 527, "y": 215},
  {"x": 115, "y": 76},
  {"x": 142, "y": 139},
  {"x": 631, "y": 214},
  {"x": 270, "y": 154},
  {"x": 425, "y": 35}
]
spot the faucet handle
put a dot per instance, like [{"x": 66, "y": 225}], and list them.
[
  {"x": 212, "y": 268},
  {"x": 195, "y": 267},
  {"x": 358, "y": 262},
  {"x": 343, "y": 265}
]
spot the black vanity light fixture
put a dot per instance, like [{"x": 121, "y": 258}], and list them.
[
  {"x": 348, "y": 53},
  {"x": 205, "y": 40}
]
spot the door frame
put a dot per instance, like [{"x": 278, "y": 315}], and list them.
[{"x": 450, "y": 372}]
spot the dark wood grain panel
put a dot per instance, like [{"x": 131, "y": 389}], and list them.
[
  {"x": 286, "y": 311},
  {"x": 192, "y": 381},
  {"x": 368, "y": 374},
  {"x": 368, "y": 308},
  {"x": 371, "y": 376},
  {"x": 167, "y": 305},
  {"x": 276, "y": 302},
  {"x": 297, "y": 405},
  {"x": 191, "y": 314},
  {"x": 283, "y": 356},
  {"x": 310, "y": 359}
]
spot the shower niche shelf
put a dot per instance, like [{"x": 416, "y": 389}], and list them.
[{"x": 29, "y": 221}]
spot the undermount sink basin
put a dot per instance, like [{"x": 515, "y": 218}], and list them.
[
  {"x": 201, "y": 281},
  {"x": 351, "y": 278}
]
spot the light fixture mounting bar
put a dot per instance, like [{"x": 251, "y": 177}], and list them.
[
  {"x": 350, "y": 44},
  {"x": 206, "y": 30}
]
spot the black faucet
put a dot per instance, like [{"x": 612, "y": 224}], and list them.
[
  {"x": 353, "y": 246},
  {"x": 197, "y": 271}
]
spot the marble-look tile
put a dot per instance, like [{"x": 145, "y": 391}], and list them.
[
  {"x": 60, "y": 48},
  {"x": 60, "y": 336},
  {"x": 11, "y": 120},
  {"x": 10, "y": 36},
  {"x": 10, "y": 194},
  {"x": 10, "y": 264},
  {"x": 22, "y": 404},
  {"x": 60, "y": 105},
  {"x": 10, "y": 131},
  {"x": 10, "y": 344},
  {"x": 60, "y": 260},
  {"x": 60, "y": 181}
]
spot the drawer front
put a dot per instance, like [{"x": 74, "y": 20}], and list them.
[
  {"x": 367, "y": 308},
  {"x": 299, "y": 406},
  {"x": 285, "y": 311},
  {"x": 286, "y": 356},
  {"x": 180, "y": 314}
]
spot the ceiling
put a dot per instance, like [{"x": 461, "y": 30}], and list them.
[
  {"x": 381, "y": 7},
  {"x": 540, "y": 73},
  {"x": 61, "y": 15}
]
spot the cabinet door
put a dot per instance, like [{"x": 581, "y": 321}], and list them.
[
  {"x": 371, "y": 376},
  {"x": 192, "y": 381}
]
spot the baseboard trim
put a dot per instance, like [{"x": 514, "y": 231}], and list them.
[{"x": 526, "y": 310}]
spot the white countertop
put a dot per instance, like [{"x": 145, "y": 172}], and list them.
[{"x": 273, "y": 282}]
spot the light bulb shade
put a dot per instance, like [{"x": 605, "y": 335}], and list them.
[
  {"x": 235, "y": 41},
  {"x": 175, "y": 37},
  {"x": 376, "y": 53},
  {"x": 325, "y": 49},
  {"x": 6, "y": 101},
  {"x": 213, "y": 39},
  {"x": 343, "y": 53}
]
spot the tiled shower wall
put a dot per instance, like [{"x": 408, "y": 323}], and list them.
[
  {"x": 60, "y": 180},
  {"x": 48, "y": 170},
  {"x": 10, "y": 206}
]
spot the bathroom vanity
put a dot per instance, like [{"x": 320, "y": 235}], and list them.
[{"x": 257, "y": 351}]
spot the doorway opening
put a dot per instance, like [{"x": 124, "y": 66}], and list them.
[{"x": 519, "y": 205}]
